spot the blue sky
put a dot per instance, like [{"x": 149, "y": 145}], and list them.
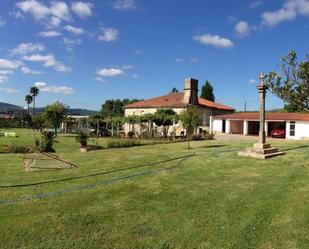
[{"x": 84, "y": 52}]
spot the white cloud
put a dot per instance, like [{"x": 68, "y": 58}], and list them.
[
  {"x": 27, "y": 70},
  {"x": 8, "y": 90},
  {"x": 124, "y": 5},
  {"x": 25, "y": 48},
  {"x": 3, "y": 79},
  {"x": 242, "y": 28},
  {"x": 213, "y": 40},
  {"x": 54, "y": 22},
  {"x": 2, "y": 22},
  {"x": 179, "y": 60},
  {"x": 60, "y": 10},
  {"x": 68, "y": 41},
  {"x": 255, "y": 4},
  {"x": 49, "y": 16},
  {"x": 48, "y": 61},
  {"x": 17, "y": 14},
  {"x": 5, "y": 72},
  {"x": 44, "y": 87},
  {"x": 194, "y": 60},
  {"x": 109, "y": 72},
  {"x": 82, "y": 9},
  {"x": 109, "y": 34},
  {"x": 7, "y": 64},
  {"x": 100, "y": 79},
  {"x": 126, "y": 67},
  {"x": 38, "y": 10},
  {"x": 252, "y": 81},
  {"x": 288, "y": 12},
  {"x": 74, "y": 30},
  {"x": 50, "y": 33}
]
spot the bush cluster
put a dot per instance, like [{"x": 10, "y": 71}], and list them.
[
  {"x": 46, "y": 141},
  {"x": 122, "y": 143},
  {"x": 11, "y": 148}
]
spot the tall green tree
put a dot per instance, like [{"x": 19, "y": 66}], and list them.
[
  {"x": 115, "y": 107},
  {"x": 55, "y": 114},
  {"x": 189, "y": 120},
  {"x": 292, "y": 85},
  {"x": 174, "y": 90},
  {"x": 207, "y": 91},
  {"x": 39, "y": 121},
  {"x": 28, "y": 99},
  {"x": 34, "y": 91}
]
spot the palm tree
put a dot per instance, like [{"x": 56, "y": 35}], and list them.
[
  {"x": 28, "y": 99},
  {"x": 34, "y": 92}
]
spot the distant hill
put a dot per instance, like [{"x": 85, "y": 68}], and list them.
[{"x": 6, "y": 107}]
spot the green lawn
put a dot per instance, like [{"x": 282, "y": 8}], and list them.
[{"x": 212, "y": 200}]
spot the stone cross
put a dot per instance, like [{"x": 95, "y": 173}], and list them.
[{"x": 262, "y": 87}]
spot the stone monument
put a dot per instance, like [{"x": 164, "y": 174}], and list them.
[{"x": 261, "y": 150}]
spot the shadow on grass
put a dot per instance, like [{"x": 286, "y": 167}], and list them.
[
  {"x": 296, "y": 148},
  {"x": 213, "y": 146},
  {"x": 95, "y": 147}
]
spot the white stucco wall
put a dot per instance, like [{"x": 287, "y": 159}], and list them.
[
  {"x": 301, "y": 130},
  {"x": 217, "y": 125},
  {"x": 204, "y": 116},
  {"x": 142, "y": 111}
]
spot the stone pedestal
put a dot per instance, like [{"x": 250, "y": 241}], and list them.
[{"x": 261, "y": 151}]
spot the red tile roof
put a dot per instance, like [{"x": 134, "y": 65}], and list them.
[
  {"x": 175, "y": 100},
  {"x": 215, "y": 105},
  {"x": 273, "y": 116}
]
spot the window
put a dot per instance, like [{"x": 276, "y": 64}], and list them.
[
  {"x": 205, "y": 119},
  {"x": 292, "y": 128}
]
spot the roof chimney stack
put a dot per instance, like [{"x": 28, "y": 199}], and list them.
[{"x": 190, "y": 91}]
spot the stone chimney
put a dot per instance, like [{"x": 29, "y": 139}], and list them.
[{"x": 190, "y": 91}]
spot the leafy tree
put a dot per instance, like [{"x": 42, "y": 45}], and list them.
[
  {"x": 34, "y": 91},
  {"x": 189, "y": 120},
  {"x": 293, "y": 86},
  {"x": 207, "y": 91},
  {"x": 174, "y": 90},
  {"x": 55, "y": 114},
  {"x": 133, "y": 119},
  {"x": 112, "y": 108},
  {"x": 97, "y": 118},
  {"x": 165, "y": 118},
  {"x": 39, "y": 121},
  {"x": 28, "y": 99}
]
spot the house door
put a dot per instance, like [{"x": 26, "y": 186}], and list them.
[{"x": 223, "y": 125}]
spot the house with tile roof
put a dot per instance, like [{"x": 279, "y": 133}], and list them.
[
  {"x": 178, "y": 102},
  {"x": 294, "y": 125}
]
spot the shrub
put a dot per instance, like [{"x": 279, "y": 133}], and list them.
[
  {"x": 209, "y": 136},
  {"x": 145, "y": 134},
  {"x": 198, "y": 137},
  {"x": 204, "y": 136},
  {"x": 131, "y": 134},
  {"x": 82, "y": 137},
  {"x": 19, "y": 149},
  {"x": 45, "y": 144},
  {"x": 122, "y": 143}
]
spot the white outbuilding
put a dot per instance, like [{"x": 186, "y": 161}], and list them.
[{"x": 295, "y": 125}]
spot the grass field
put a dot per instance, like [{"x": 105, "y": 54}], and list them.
[{"x": 212, "y": 200}]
